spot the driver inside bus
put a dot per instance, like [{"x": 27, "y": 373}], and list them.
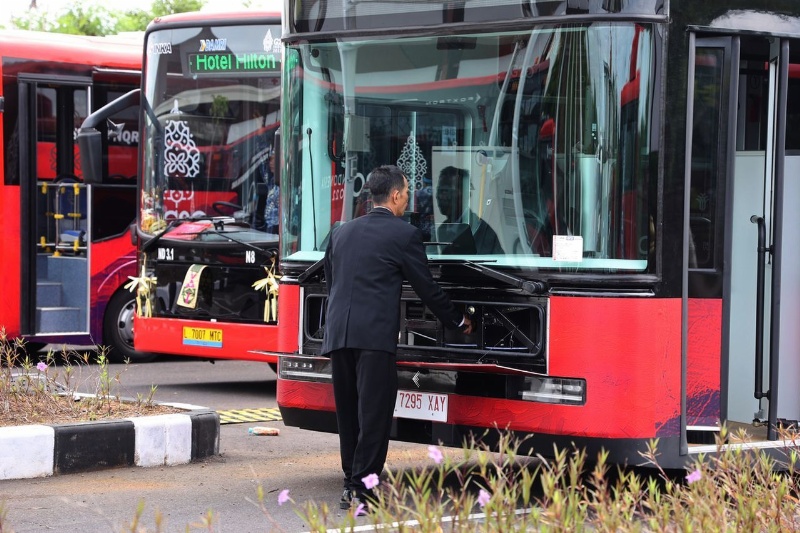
[{"x": 454, "y": 205}]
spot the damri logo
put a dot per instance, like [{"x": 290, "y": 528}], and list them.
[{"x": 213, "y": 45}]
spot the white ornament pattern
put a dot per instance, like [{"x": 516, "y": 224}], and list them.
[
  {"x": 181, "y": 156},
  {"x": 412, "y": 163}
]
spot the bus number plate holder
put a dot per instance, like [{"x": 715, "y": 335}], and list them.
[
  {"x": 211, "y": 338},
  {"x": 421, "y": 406}
]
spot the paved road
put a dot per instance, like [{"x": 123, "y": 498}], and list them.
[{"x": 304, "y": 462}]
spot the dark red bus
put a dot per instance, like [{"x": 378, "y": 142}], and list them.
[
  {"x": 66, "y": 244},
  {"x": 208, "y": 213},
  {"x": 634, "y": 161}
]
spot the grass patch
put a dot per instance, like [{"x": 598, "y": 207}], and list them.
[
  {"x": 45, "y": 391},
  {"x": 478, "y": 490}
]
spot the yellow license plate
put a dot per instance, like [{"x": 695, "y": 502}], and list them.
[{"x": 202, "y": 337}]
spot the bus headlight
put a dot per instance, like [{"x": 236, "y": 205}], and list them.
[
  {"x": 299, "y": 368},
  {"x": 567, "y": 391}
]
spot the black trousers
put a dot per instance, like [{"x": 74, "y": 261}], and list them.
[{"x": 365, "y": 389}]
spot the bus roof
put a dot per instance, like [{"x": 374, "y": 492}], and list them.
[
  {"x": 123, "y": 51},
  {"x": 212, "y": 17}
]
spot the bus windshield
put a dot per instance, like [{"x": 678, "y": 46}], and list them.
[
  {"x": 211, "y": 102},
  {"x": 523, "y": 149}
]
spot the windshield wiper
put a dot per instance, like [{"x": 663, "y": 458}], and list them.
[
  {"x": 216, "y": 230},
  {"x": 269, "y": 252},
  {"x": 152, "y": 241},
  {"x": 532, "y": 287},
  {"x": 172, "y": 224},
  {"x": 527, "y": 286},
  {"x": 315, "y": 269}
]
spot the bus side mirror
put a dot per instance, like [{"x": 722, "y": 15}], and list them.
[
  {"x": 90, "y": 142},
  {"x": 134, "y": 234},
  {"x": 90, "y": 136},
  {"x": 276, "y": 146}
]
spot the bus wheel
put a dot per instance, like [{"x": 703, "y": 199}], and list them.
[
  {"x": 118, "y": 329},
  {"x": 18, "y": 352},
  {"x": 33, "y": 348}
]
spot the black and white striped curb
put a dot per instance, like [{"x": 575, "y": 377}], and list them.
[{"x": 47, "y": 450}]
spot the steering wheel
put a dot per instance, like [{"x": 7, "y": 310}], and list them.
[{"x": 218, "y": 207}]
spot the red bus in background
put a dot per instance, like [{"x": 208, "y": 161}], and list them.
[
  {"x": 66, "y": 244},
  {"x": 634, "y": 162},
  {"x": 207, "y": 225}
]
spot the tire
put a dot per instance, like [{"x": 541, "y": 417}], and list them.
[
  {"x": 118, "y": 329},
  {"x": 17, "y": 353},
  {"x": 33, "y": 348}
]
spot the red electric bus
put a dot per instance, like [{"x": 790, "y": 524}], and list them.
[
  {"x": 207, "y": 225},
  {"x": 66, "y": 246},
  {"x": 634, "y": 162}
]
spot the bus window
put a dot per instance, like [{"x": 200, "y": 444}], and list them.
[
  {"x": 704, "y": 187},
  {"x": 549, "y": 130},
  {"x": 46, "y": 131},
  {"x": 114, "y": 198}
]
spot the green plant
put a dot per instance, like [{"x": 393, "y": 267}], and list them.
[
  {"x": 46, "y": 390},
  {"x": 736, "y": 489}
]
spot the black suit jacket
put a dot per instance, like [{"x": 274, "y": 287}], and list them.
[
  {"x": 486, "y": 240},
  {"x": 365, "y": 263}
]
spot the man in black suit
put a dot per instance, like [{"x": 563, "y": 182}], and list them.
[{"x": 366, "y": 261}]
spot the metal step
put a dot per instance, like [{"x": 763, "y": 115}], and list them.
[
  {"x": 48, "y": 294},
  {"x": 702, "y": 434},
  {"x": 59, "y": 320}
]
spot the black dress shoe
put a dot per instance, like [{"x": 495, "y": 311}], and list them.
[
  {"x": 346, "y": 500},
  {"x": 366, "y": 496},
  {"x": 360, "y": 501}
]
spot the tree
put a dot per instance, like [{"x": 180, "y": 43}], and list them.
[
  {"x": 92, "y": 18},
  {"x": 160, "y": 8},
  {"x": 137, "y": 20}
]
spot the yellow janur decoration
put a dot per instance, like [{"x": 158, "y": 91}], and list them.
[
  {"x": 270, "y": 285},
  {"x": 142, "y": 285}
]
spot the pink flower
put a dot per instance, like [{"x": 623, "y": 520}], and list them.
[
  {"x": 41, "y": 367},
  {"x": 436, "y": 454},
  {"x": 371, "y": 481},
  {"x": 283, "y": 497},
  {"x": 360, "y": 510},
  {"x": 483, "y": 498},
  {"x": 694, "y": 476}
]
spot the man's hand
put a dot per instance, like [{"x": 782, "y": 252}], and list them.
[{"x": 466, "y": 327}]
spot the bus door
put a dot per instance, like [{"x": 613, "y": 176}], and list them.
[
  {"x": 56, "y": 225},
  {"x": 743, "y": 288}
]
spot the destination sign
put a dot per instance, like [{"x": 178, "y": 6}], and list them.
[{"x": 219, "y": 63}]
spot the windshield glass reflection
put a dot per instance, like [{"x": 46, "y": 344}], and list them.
[
  {"x": 525, "y": 149},
  {"x": 212, "y": 111}
]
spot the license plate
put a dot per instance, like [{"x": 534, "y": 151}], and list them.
[
  {"x": 421, "y": 406},
  {"x": 202, "y": 337}
]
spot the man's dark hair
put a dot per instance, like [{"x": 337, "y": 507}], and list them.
[
  {"x": 383, "y": 180},
  {"x": 454, "y": 172}
]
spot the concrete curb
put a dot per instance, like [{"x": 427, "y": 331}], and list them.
[{"x": 47, "y": 450}]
